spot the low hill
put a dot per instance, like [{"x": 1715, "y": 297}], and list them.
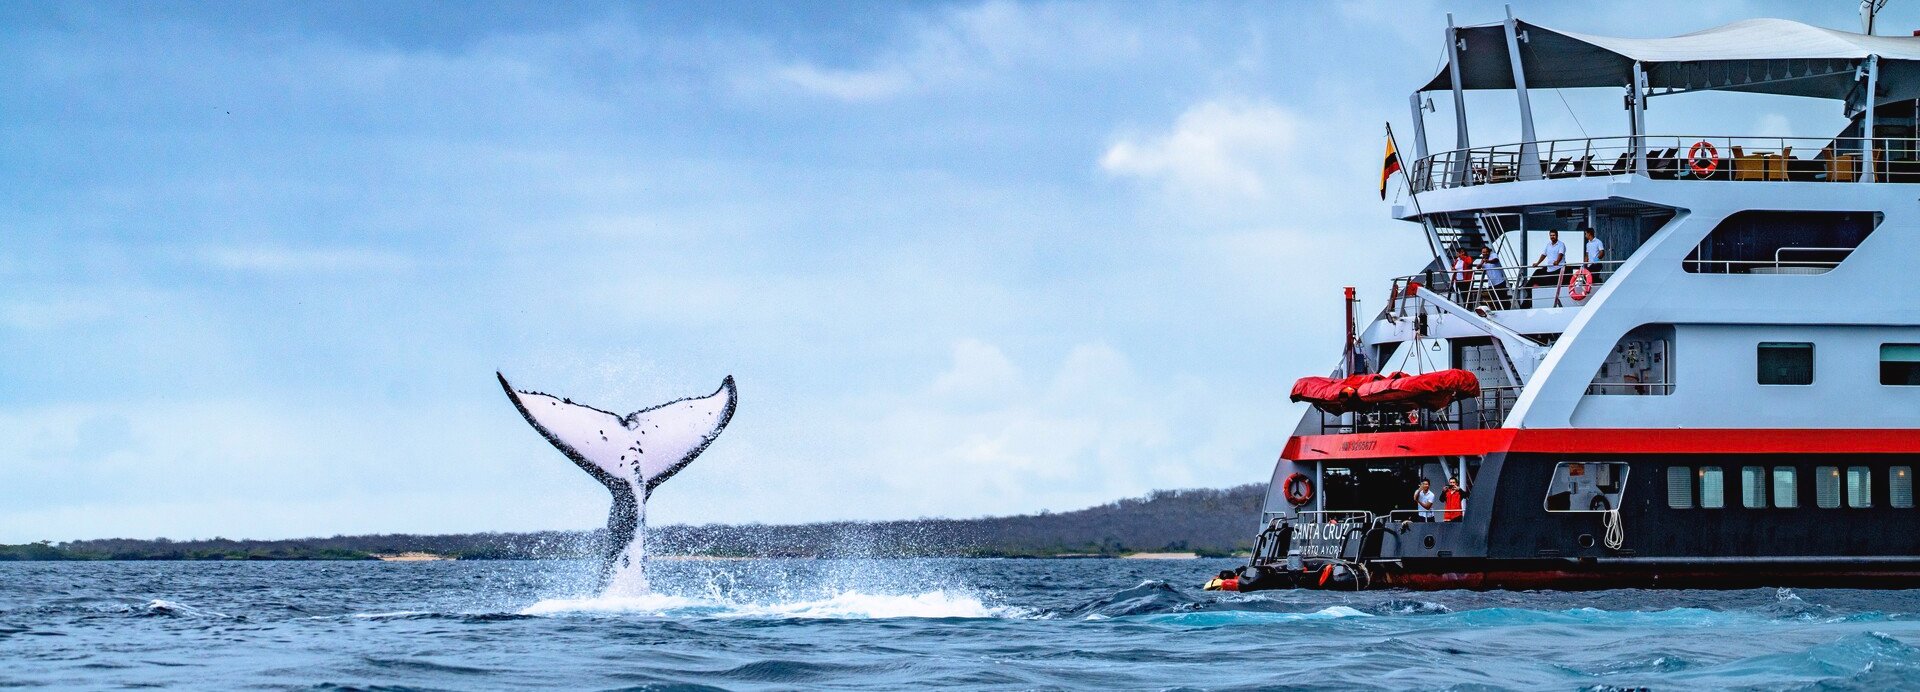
[{"x": 1208, "y": 522}]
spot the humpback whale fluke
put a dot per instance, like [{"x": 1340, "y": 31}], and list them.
[{"x": 631, "y": 455}]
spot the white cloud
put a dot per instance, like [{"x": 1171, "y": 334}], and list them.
[
  {"x": 1092, "y": 430},
  {"x": 847, "y": 85},
  {"x": 980, "y": 372},
  {"x": 1216, "y": 152}
]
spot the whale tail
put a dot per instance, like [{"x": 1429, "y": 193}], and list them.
[{"x": 630, "y": 455}]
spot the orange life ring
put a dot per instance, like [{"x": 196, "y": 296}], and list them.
[
  {"x": 1582, "y": 285},
  {"x": 1703, "y": 165},
  {"x": 1298, "y": 488}
]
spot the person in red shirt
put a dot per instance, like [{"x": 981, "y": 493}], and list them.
[
  {"x": 1454, "y": 499},
  {"x": 1462, "y": 274}
]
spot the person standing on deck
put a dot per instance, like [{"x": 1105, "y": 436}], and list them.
[
  {"x": 1496, "y": 277},
  {"x": 1594, "y": 252},
  {"x": 1462, "y": 274},
  {"x": 1553, "y": 261},
  {"x": 1454, "y": 499},
  {"x": 1423, "y": 500}
]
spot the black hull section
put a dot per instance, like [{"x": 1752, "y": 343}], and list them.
[
  {"x": 1564, "y": 576},
  {"x": 1510, "y": 537}
]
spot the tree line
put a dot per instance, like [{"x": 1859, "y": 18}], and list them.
[{"x": 1209, "y": 522}]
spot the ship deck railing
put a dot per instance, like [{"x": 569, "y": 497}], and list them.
[
  {"x": 1525, "y": 286},
  {"x": 1786, "y": 260},
  {"x": 1677, "y": 157},
  {"x": 1487, "y": 410}
]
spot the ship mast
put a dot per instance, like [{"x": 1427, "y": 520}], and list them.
[{"x": 1868, "y": 10}]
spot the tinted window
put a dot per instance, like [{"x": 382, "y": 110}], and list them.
[
  {"x": 1785, "y": 491},
  {"x": 1713, "y": 488},
  {"x": 1900, "y": 364},
  {"x": 1900, "y": 486},
  {"x": 1826, "y": 486},
  {"x": 1679, "y": 487},
  {"x": 1781, "y": 242},
  {"x": 1753, "y": 487},
  {"x": 1786, "y": 363},
  {"x": 1859, "y": 487}
]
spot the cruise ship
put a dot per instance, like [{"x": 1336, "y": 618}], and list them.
[{"x": 1727, "y": 397}]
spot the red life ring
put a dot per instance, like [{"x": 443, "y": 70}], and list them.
[
  {"x": 1298, "y": 488},
  {"x": 1703, "y": 166},
  {"x": 1582, "y": 284}
]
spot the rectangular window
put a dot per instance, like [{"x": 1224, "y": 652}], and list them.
[
  {"x": 1859, "y": 487},
  {"x": 1679, "y": 487},
  {"x": 1786, "y": 363},
  {"x": 1713, "y": 488},
  {"x": 1753, "y": 487},
  {"x": 1900, "y": 364},
  {"x": 1785, "y": 493},
  {"x": 1826, "y": 486},
  {"x": 1900, "y": 487}
]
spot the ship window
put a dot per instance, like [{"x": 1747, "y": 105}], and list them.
[
  {"x": 1784, "y": 481},
  {"x": 1753, "y": 487},
  {"x": 1900, "y": 364},
  {"x": 1900, "y": 487},
  {"x": 1586, "y": 486},
  {"x": 1786, "y": 363},
  {"x": 1859, "y": 487},
  {"x": 1781, "y": 242},
  {"x": 1826, "y": 486},
  {"x": 1713, "y": 488},
  {"x": 1679, "y": 487},
  {"x": 1641, "y": 363}
]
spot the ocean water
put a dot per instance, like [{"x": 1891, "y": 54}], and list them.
[{"x": 894, "y": 624}]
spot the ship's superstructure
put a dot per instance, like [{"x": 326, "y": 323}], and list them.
[{"x": 1728, "y": 396}]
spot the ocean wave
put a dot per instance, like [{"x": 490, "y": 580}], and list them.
[
  {"x": 846, "y": 605},
  {"x": 160, "y": 607},
  {"x": 1221, "y": 618}
]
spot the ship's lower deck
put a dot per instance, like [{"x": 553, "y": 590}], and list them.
[{"x": 1591, "y": 520}]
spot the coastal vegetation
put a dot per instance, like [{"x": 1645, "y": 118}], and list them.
[{"x": 1204, "y": 522}]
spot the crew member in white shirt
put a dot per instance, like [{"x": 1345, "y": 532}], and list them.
[
  {"x": 1496, "y": 277},
  {"x": 1553, "y": 262},
  {"x": 1595, "y": 253}
]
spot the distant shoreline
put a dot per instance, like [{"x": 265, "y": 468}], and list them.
[
  {"x": 1164, "y": 525},
  {"x": 428, "y": 557}
]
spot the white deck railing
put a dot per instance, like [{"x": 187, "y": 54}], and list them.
[{"x": 1674, "y": 157}]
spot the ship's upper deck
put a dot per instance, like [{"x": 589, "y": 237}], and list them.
[
  {"x": 1876, "y": 79},
  {"x": 1715, "y": 265}
]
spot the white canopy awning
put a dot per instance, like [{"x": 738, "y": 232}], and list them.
[{"x": 1769, "y": 56}]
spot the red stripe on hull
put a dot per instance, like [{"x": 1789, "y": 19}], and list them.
[
  {"x": 1671, "y": 578},
  {"x": 1603, "y": 441}
]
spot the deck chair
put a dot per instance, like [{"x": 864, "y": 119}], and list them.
[
  {"x": 1748, "y": 166},
  {"x": 1777, "y": 164},
  {"x": 1623, "y": 164},
  {"x": 1843, "y": 168}
]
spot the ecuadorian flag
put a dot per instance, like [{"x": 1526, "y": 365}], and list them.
[{"x": 1390, "y": 166}]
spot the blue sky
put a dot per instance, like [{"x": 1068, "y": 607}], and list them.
[{"x": 261, "y": 261}]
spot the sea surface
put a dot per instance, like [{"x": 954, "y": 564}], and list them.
[{"x": 896, "y": 624}]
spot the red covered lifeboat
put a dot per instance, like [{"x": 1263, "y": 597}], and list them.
[{"x": 1397, "y": 391}]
